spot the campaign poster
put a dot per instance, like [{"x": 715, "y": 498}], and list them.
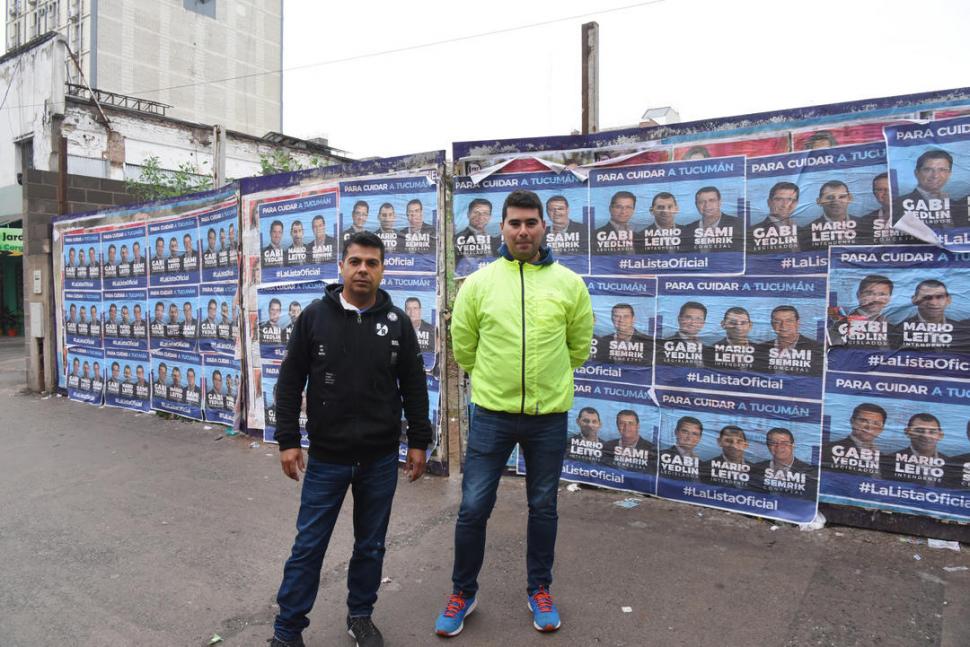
[
  {"x": 929, "y": 178},
  {"x": 124, "y": 258},
  {"x": 416, "y": 296},
  {"x": 434, "y": 400},
  {"x": 897, "y": 443},
  {"x": 177, "y": 383},
  {"x": 752, "y": 147},
  {"x": 833, "y": 135},
  {"x": 612, "y": 437},
  {"x": 753, "y": 334},
  {"x": 622, "y": 346},
  {"x": 220, "y": 244},
  {"x": 671, "y": 218},
  {"x": 125, "y": 319},
  {"x": 271, "y": 373},
  {"x": 800, "y": 204},
  {"x": 403, "y": 212},
  {"x": 82, "y": 318},
  {"x": 279, "y": 306},
  {"x": 174, "y": 252},
  {"x": 564, "y": 211},
  {"x": 298, "y": 237},
  {"x": 128, "y": 376},
  {"x": 85, "y": 374},
  {"x": 740, "y": 453},
  {"x": 899, "y": 309},
  {"x": 219, "y": 318},
  {"x": 175, "y": 317},
  {"x": 82, "y": 262},
  {"x": 478, "y": 233},
  {"x": 221, "y": 388}
]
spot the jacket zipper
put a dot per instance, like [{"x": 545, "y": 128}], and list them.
[{"x": 522, "y": 286}]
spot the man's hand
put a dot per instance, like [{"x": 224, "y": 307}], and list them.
[
  {"x": 293, "y": 463},
  {"x": 415, "y": 464}
]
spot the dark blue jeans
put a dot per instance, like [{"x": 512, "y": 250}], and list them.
[
  {"x": 324, "y": 488},
  {"x": 491, "y": 437}
]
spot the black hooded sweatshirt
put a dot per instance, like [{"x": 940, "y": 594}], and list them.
[{"x": 360, "y": 368}]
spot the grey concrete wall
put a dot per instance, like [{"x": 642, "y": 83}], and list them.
[{"x": 41, "y": 204}]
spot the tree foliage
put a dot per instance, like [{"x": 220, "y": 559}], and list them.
[
  {"x": 155, "y": 183},
  {"x": 281, "y": 161}
]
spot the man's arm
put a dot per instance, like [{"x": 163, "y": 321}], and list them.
[
  {"x": 464, "y": 327},
  {"x": 579, "y": 326}
]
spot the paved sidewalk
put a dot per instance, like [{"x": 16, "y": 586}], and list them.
[{"x": 125, "y": 529}]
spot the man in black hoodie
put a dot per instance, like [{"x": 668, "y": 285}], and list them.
[{"x": 363, "y": 360}]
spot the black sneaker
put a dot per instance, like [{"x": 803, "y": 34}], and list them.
[
  {"x": 276, "y": 642},
  {"x": 364, "y": 632}
]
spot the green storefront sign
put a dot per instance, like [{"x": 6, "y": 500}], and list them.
[{"x": 12, "y": 240}]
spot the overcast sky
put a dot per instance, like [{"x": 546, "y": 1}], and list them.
[{"x": 706, "y": 58}]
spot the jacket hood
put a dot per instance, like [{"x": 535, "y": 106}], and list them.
[
  {"x": 546, "y": 256},
  {"x": 383, "y": 302}
]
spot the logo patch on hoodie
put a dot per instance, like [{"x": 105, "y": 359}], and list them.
[{"x": 381, "y": 329}]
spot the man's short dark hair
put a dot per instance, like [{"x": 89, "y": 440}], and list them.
[
  {"x": 364, "y": 239},
  {"x": 783, "y": 186},
  {"x": 689, "y": 420},
  {"x": 361, "y": 203},
  {"x": 477, "y": 201},
  {"x": 414, "y": 201},
  {"x": 870, "y": 408},
  {"x": 821, "y": 137},
  {"x": 217, "y": 372},
  {"x": 930, "y": 283},
  {"x": 275, "y": 223},
  {"x": 926, "y": 417},
  {"x": 934, "y": 154},
  {"x": 627, "y": 412},
  {"x": 736, "y": 310},
  {"x": 385, "y": 205},
  {"x": 786, "y": 308},
  {"x": 692, "y": 305},
  {"x": 622, "y": 194},
  {"x": 707, "y": 189},
  {"x": 589, "y": 410},
  {"x": 732, "y": 429},
  {"x": 115, "y": 365},
  {"x": 557, "y": 198},
  {"x": 882, "y": 176},
  {"x": 317, "y": 217},
  {"x": 622, "y": 306},
  {"x": 276, "y": 301},
  {"x": 523, "y": 200},
  {"x": 412, "y": 299},
  {"x": 833, "y": 184},
  {"x": 212, "y": 302},
  {"x": 874, "y": 279},
  {"x": 663, "y": 195},
  {"x": 781, "y": 431}
]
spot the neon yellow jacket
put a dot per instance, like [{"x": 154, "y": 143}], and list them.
[{"x": 519, "y": 330}]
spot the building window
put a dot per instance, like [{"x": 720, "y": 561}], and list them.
[{"x": 204, "y": 7}]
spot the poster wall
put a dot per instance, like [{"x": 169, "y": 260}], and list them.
[
  {"x": 416, "y": 295},
  {"x": 85, "y": 375},
  {"x": 221, "y": 387},
  {"x": 673, "y": 218},
  {"x": 298, "y": 236},
  {"x": 623, "y": 331},
  {"x": 740, "y": 453},
  {"x": 761, "y": 335},
  {"x": 125, "y": 265},
  {"x": 220, "y": 244},
  {"x": 175, "y": 318},
  {"x": 82, "y": 264},
  {"x": 128, "y": 379},
  {"x": 125, "y": 322},
  {"x": 219, "y": 318},
  {"x": 82, "y": 318},
  {"x": 177, "y": 383},
  {"x": 279, "y": 307},
  {"x": 270, "y": 374},
  {"x": 174, "y": 255},
  {"x": 897, "y": 443}
]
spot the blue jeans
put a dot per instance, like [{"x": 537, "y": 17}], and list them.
[
  {"x": 324, "y": 488},
  {"x": 491, "y": 437}
]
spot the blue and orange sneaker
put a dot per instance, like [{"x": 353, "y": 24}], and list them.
[
  {"x": 545, "y": 616},
  {"x": 452, "y": 619}
]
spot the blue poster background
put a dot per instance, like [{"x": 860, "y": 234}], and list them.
[
  {"x": 402, "y": 287},
  {"x": 131, "y": 388},
  {"x": 270, "y": 374},
  {"x": 756, "y": 416},
  {"x": 119, "y": 332},
  {"x": 937, "y": 488},
  {"x": 172, "y": 390},
  {"x": 130, "y": 266},
  {"x": 274, "y": 335},
  {"x": 736, "y": 367},
  {"x": 85, "y": 272},
  {"x": 682, "y": 180},
  {"x": 219, "y": 244},
  {"x": 178, "y": 262},
  {"x": 218, "y": 335},
  {"x": 85, "y": 375},
  {"x": 175, "y": 332},
  {"x": 292, "y": 261},
  {"x": 84, "y": 331},
  {"x": 221, "y": 388}
]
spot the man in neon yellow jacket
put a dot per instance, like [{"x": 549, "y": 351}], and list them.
[{"x": 520, "y": 326}]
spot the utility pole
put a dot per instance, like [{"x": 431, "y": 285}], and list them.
[{"x": 591, "y": 78}]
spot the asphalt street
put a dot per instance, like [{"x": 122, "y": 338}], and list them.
[{"x": 119, "y": 528}]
